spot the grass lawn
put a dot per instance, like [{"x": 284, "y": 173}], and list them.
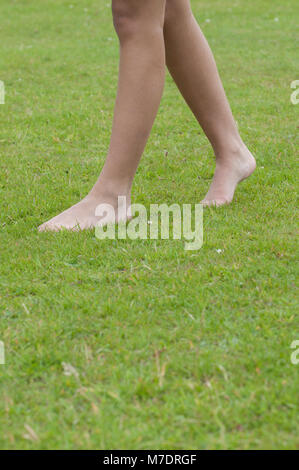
[{"x": 171, "y": 349}]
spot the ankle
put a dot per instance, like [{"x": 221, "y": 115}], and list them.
[
  {"x": 230, "y": 151},
  {"x": 111, "y": 188}
]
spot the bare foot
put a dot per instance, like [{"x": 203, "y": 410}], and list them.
[
  {"x": 228, "y": 173},
  {"x": 82, "y": 216}
]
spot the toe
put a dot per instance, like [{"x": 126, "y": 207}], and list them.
[{"x": 215, "y": 202}]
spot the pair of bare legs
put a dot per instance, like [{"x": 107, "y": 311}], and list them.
[{"x": 153, "y": 34}]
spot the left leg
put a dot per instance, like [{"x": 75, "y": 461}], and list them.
[
  {"x": 139, "y": 26},
  {"x": 192, "y": 65}
]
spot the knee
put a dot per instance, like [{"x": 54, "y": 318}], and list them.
[
  {"x": 176, "y": 11},
  {"x": 125, "y": 17}
]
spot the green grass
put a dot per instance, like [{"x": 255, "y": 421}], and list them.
[{"x": 173, "y": 349}]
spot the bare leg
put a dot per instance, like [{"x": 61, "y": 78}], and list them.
[
  {"x": 192, "y": 65},
  {"x": 139, "y": 25}
]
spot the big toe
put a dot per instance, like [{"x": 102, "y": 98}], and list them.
[{"x": 48, "y": 227}]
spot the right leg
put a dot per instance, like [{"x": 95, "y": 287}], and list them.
[
  {"x": 192, "y": 65},
  {"x": 139, "y": 25}
]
